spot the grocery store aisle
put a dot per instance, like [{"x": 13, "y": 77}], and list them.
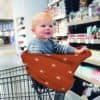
[{"x": 9, "y": 57}]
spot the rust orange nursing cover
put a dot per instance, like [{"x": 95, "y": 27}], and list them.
[{"x": 54, "y": 71}]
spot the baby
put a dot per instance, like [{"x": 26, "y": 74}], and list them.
[{"x": 43, "y": 29}]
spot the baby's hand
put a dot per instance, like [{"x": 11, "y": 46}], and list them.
[{"x": 84, "y": 48}]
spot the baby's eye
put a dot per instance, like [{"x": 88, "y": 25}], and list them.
[
  {"x": 43, "y": 25},
  {"x": 50, "y": 25}
]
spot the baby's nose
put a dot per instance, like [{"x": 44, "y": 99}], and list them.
[{"x": 48, "y": 27}]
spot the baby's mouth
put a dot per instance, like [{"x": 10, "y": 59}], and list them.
[{"x": 47, "y": 33}]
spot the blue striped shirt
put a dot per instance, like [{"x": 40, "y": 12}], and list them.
[{"x": 49, "y": 47}]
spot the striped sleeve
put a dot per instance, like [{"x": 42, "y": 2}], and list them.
[
  {"x": 33, "y": 48},
  {"x": 63, "y": 49}
]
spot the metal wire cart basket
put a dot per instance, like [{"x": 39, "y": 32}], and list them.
[{"x": 16, "y": 84}]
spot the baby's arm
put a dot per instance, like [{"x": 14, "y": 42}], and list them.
[{"x": 68, "y": 49}]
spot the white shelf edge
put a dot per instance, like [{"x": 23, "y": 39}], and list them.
[
  {"x": 88, "y": 20},
  {"x": 59, "y": 17},
  {"x": 53, "y": 2},
  {"x": 77, "y": 74},
  {"x": 86, "y": 41},
  {"x": 94, "y": 58},
  {"x": 80, "y": 73}
]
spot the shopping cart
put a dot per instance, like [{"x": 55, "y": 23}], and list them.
[{"x": 16, "y": 84}]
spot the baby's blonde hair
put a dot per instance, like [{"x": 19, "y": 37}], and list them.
[{"x": 39, "y": 16}]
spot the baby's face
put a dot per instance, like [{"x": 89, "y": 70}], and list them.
[{"x": 44, "y": 29}]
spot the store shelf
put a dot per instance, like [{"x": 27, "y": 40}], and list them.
[
  {"x": 85, "y": 41},
  {"x": 87, "y": 20},
  {"x": 61, "y": 16},
  {"x": 6, "y": 50},
  {"x": 53, "y": 2},
  {"x": 89, "y": 74},
  {"x": 94, "y": 58},
  {"x": 6, "y": 19},
  {"x": 9, "y": 57}
]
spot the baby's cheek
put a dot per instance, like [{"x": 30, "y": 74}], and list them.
[{"x": 54, "y": 30}]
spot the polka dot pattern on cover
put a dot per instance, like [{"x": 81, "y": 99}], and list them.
[{"x": 55, "y": 71}]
